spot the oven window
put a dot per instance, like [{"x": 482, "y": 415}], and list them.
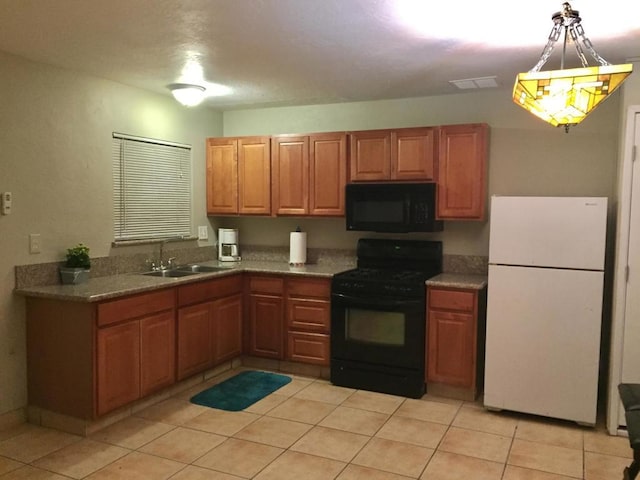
[
  {"x": 376, "y": 327},
  {"x": 372, "y": 211}
]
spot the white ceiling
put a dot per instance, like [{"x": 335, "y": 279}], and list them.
[{"x": 296, "y": 52}]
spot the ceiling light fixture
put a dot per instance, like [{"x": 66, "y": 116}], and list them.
[
  {"x": 565, "y": 97},
  {"x": 187, "y": 94}
]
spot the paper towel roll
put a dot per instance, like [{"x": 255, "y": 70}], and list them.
[{"x": 298, "y": 248}]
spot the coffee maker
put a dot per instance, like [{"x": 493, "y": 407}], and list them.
[{"x": 228, "y": 246}]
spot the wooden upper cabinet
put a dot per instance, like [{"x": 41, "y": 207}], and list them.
[
  {"x": 413, "y": 153},
  {"x": 290, "y": 175},
  {"x": 254, "y": 175},
  {"x": 309, "y": 174},
  {"x": 370, "y": 156},
  {"x": 401, "y": 154},
  {"x": 462, "y": 163},
  {"x": 238, "y": 176},
  {"x": 327, "y": 173},
  {"x": 222, "y": 176}
]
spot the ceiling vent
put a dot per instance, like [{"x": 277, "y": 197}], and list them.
[{"x": 480, "y": 82}]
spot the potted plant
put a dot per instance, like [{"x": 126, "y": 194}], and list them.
[{"x": 77, "y": 267}]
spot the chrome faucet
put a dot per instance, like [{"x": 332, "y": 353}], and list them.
[{"x": 170, "y": 262}]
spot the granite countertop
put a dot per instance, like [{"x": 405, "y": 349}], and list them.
[
  {"x": 458, "y": 280},
  {"x": 103, "y": 288}
]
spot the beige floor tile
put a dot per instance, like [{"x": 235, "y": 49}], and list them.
[
  {"x": 35, "y": 443},
  {"x": 476, "y": 444},
  {"x": 604, "y": 467},
  {"x": 550, "y": 433},
  {"x": 276, "y": 432},
  {"x": 325, "y": 392},
  {"x": 183, "y": 444},
  {"x": 482, "y": 420},
  {"x": 373, "y": 401},
  {"x": 394, "y": 457},
  {"x": 30, "y": 473},
  {"x": 519, "y": 473},
  {"x": 300, "y": 410},
  {"x": 451, "y": 466},
  {"x": 15, "y": 430},
  {"x": 221, "y": 422},
  {"x": 239, "y": 457},
  {"x": 6, "y": 465},
  {"x": 132, "y": 432},
  {"x": 173, "y": 411},
  {"x": 294, "y": 386},
  {"x": 356, "y": 472},
  {"x": 548, "y": 458},
  {"x": 299, "y": 466},
  {"x": 330, "y": 443},
  {"x": 428, "y": 411},
  {"x": 410, "y": 430},
  {"x": 436, "y": 398},
  {"x": 266, "y": 404},
  {"x": 138, "y": 466},
  {"x": 355, "y": 420},
  {"x": 198, "y": 473},
  {"x": 81, "y": 458},
  {"x": 602, "y": 442}
]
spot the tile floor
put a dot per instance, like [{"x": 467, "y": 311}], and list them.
[{"x": 312, "y": 430}]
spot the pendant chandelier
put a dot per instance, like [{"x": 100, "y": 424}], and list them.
[{"x": 565, "y": 97}]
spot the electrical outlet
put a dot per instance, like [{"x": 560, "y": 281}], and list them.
[
  {"x": 203, "y": 233},
  {"x": 6, "y": 200},
  {"x": 34, "y": 243}
]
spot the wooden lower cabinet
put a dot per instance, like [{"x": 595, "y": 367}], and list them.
[
  {"x": 227, "y": 328},
  {"x": 455, "y": 341},
  {"x": 209, "y": 324},
  {"x": 265, "y": 316},
  {"x": 308, "y": 315}
]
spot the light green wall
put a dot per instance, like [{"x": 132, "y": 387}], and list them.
[
  {"x": 55, "y": 133},
  {"x": 526, "y": 156}
]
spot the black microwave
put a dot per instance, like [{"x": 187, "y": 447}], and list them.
[{"x": 392, "y": 207}]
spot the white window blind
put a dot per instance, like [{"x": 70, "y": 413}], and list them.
[{"x": 151, "y": 188}]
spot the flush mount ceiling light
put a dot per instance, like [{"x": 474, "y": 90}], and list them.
[
  {"x": 565, "y": 97},
  {"x": 187, "y": 94}
]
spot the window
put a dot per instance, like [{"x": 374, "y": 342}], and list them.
[{"x": 151, "y": 188}]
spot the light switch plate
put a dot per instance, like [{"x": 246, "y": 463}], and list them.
[
  {"x": 34, "y": 243},
  {"x": 6, "y": 198},
  {"x": 203, "y": 233}
]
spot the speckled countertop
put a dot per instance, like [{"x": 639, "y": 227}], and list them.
[
  {"x": 458, "y": 280},
  {"x": 103, "y": 288}
]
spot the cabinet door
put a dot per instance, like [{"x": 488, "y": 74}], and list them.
[
  {"x": 157, "y": 351},
  {"x": 370, "y": 157},
  {"x": 222, "y": 176},
  {"x": 227, "y": 328},
  {"x": 118, "y": 365},
  {"x": 194, "y": 339},
  {"x": 451, "y": 349},
  {"x": 308, "y": 348},
  {"x": 266, "y": 329},
  {"x": 290, "y": 175},
  {"x": 461, "y": 172},
  {"x": 327, "y": 173},
  {"x": 412, "y": 154},
  {"x": 254, "y": 175}
]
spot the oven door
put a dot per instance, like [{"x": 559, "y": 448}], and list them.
[{"x": 377, "y": 330}]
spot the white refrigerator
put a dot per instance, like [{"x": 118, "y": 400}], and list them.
[{"x": 544, "y": 305}]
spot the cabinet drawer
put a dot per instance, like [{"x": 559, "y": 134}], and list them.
[
  {"x": 445, "y": 299},
  {"x": 309, "y": 315},
  {"x": 272, "y": 285},
  {"x": 308, "y": 348},
  {"x": 309, "y": 287},
  {"x": 135, "y": 306},
  {"x": 209, "y": 290}
]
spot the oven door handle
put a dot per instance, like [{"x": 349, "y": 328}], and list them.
[{"x": 377, "y": 302}]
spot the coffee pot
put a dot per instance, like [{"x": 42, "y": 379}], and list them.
[{"x": 228, "y": 245}]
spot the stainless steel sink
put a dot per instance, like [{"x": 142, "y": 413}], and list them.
[
  {"x": 169, "y": 273},
  {"x": 201, "y": 268}
]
